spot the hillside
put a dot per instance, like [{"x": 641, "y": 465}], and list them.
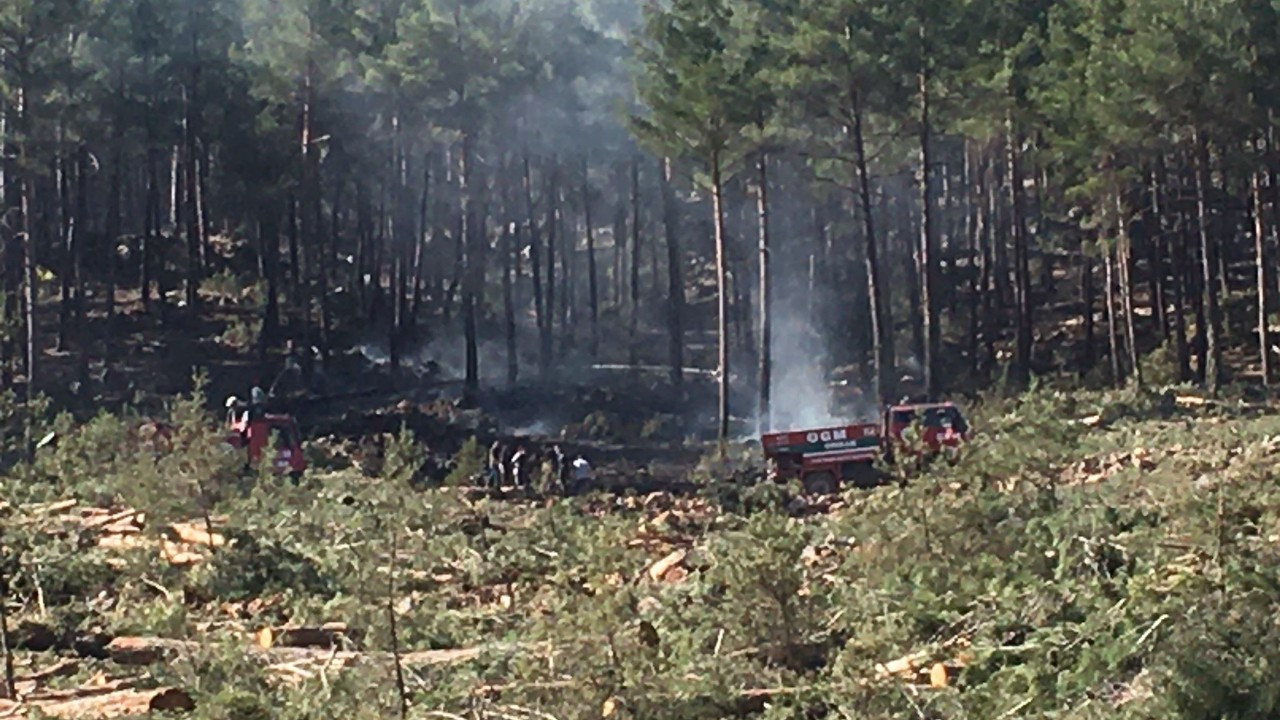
[{"x": 1091, "y": 556}]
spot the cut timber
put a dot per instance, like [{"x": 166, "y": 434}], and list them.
[
  {"x": 659, "y": 569},
  {"x": 195, "y": 534},
  {"x": 50, "y": 507},
  {"x": 148, "y": 650},
  {"x": 122, "y": 703},
  {"x": 324, "y": 636},
  {"x": 108, "y": 522},
  {"x": 178, "y": 555}
]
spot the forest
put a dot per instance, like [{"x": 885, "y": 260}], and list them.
[
  {"x": 951, "y": 191},
  {"x": 641, "y": 234}
]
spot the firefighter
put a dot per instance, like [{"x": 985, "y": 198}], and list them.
[
  {"x": 494, "y": 468},
  {"x": 559, "y": 466},
  {"x": 520, "y": 465},
  {"x": 581, "y": 474}
]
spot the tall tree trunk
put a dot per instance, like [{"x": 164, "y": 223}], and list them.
[
  {"x": 979, "y": 253},
  {"x": 1124, "y": 253},
  {"x": 766, "y": 291},
  {"x": 79, "y": 235},
  {"x": 474, "y": 272},
  {"x": 22, "y": 222},
  {"x": 592, "y": 287},
  {"x": 65, "y": 235},
  {"x": 309, "y": 213},
  {"x": 928, "y": 250},
  {"x": 1213, "y": 321},
  {"x": 420, "y": 245},
  {"x": 151, "y": 232},
  {"x": 553, "y": 187},
  {"x": 109, "y": 257},
  {"x": 1113, "y": 334},
  {"x": 1022, "y": 267},
  {"x": 269, "y": 264},
  {"x": 1178, "y": 274},
  {"x": 634, "y": 317},
  {"x": 13, "y": 239},
  {"x": 675, "y": 282},
  {"x": 508, "y": 306},
  {"x": 1088, "y": 296},
  {"x": 717, "y": 206},
  {"x": 535, "y": 268},
  {"x": 879, "y": 300},
  {"x": 1260, "y": 261},
  {"x": 1156, "y": 242},
  {"x": 195, "y": 243}
]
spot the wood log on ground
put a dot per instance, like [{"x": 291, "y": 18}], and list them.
[
  {"x": 111, "y": 704},
  {"x": 660, "y": 568},
  {"x": 148, "y": 650},
  {"x": 327, "y": 635},
  {"x": 194, "y": 533},
  {"x": 124, "y": 518}
]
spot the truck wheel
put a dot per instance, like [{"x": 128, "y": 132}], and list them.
[
  {"x": 822, "y": 482},
  {"x": 865, "y": 475}
]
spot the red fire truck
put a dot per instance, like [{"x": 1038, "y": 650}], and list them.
[{"x": 823, "y": 457}]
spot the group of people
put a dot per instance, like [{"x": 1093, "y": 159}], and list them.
[{"x": 514, "y": 464}]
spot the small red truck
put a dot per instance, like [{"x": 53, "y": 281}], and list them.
[
  {"x": 254, "y": 433},
  {"x": 823, "y": 457},
  {"x": 251, "y": 431}
]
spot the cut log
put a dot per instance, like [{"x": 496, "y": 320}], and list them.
[
  {"x": 661, "y": 567},
  {"x": 195, "y": 534},
  {"x": 61, "y": 668},
  {"x": 121, "y": 542},
  {"x": 324, "y": 636},
  {"x": 123, "y": 703},
  {"x": 124, "y": 518},
  {"x": 50, "y": 507},
  {"x": 180, "y": 554},
  {"x": 148, "y": 650}
]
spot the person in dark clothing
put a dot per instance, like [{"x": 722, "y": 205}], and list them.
[
  {"x": 558, "y": 465},
  {"x": 493, "y": 469}
]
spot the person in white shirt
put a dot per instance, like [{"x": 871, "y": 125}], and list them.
[{"x": 581, "y": 473}]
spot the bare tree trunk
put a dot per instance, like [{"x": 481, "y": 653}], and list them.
[
  {"x": 66, "y": 239},
  {"x": 1022, "y": 269},
  {"x": 766, "y": 291},
  {"x": 1260, "y": 256},
  {"x": 508, "y": 305},
  {"x": 592, "y": 287},
  {"x": 928, "y": 250},
  {"x": 79, "y": 234},
  {"x": 553, "y": 187},
  {"x": 879, "y": 300},
  {"x": 1089, "y": 297},
  {"x": 112, "y": 234},
  {"x": 195, "y": 243},
  {"x": 634, "y": 317},
  {"x": 675, "y": 282},
  {"x": 544, "y": 359},
  {"x": 474, "y": 270},
  {"x": 1124, "y": 256},
  {"x": 1179, "y": 276},
  {"x": 1112, "y": 331},
  {"x": 1213, "y": 321},
  {"x": 1156, "y": 240},
  {"x": 717, "y": 203},
  {"x": 6, "y": 651}
]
